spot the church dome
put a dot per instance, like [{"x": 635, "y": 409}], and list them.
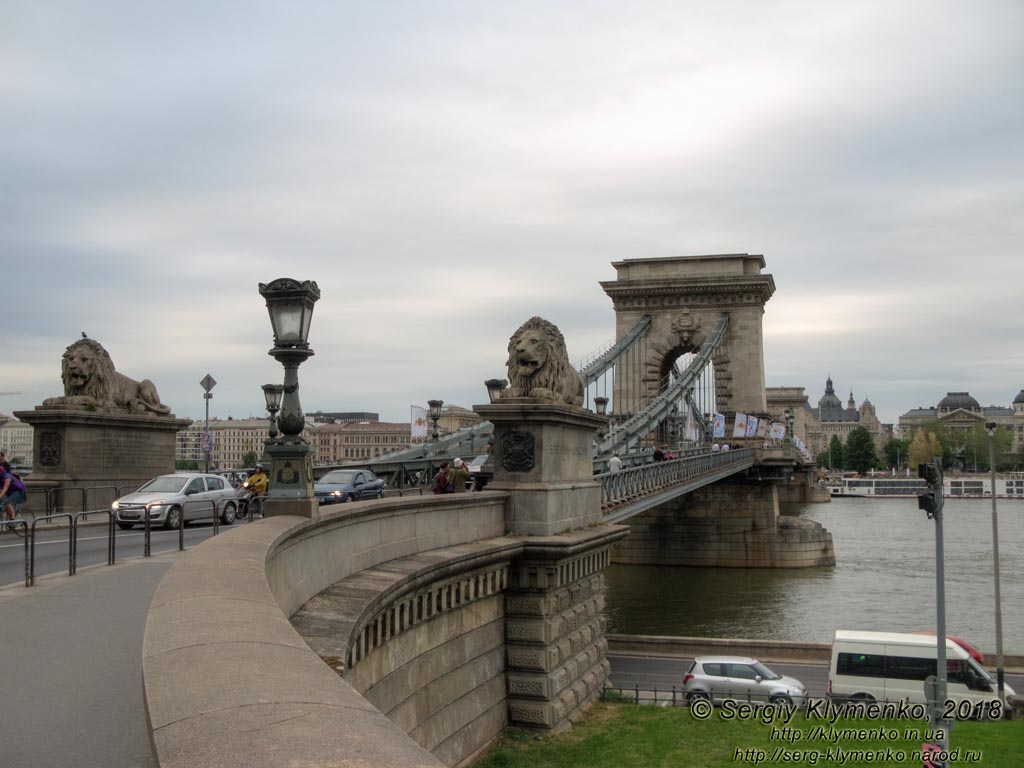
[
  {"x": 1019, "y": 398},
  {"x": 954, "y": 400}
]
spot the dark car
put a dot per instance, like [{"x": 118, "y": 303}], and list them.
[{"x": 348, "y": 485}]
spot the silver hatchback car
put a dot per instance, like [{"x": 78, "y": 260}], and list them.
[
  {"x": 178, "y": 498},
  {"x": 741, "y": 678}
]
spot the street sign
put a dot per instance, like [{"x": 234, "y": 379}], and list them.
[{"x": 208, "y": 382}]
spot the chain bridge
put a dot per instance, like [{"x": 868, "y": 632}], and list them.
[{"x": 688, "y": 346}]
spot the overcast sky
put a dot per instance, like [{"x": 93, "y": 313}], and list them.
[{"x": 445, "y": 170}]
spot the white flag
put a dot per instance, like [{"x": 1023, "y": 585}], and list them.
[
  {"x": 417, "y": 422},
  {"x": 719, "y": 430},
  {"x": 739, "y": 426},
  {"x": 751, "y": 426}
]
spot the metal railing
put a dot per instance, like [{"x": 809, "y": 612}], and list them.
[{"x": 633, "y": 483}]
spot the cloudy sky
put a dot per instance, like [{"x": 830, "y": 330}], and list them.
[{"x": 445, "y": 170}]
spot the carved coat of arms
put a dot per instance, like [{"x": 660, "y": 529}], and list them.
[{"x": 517, "y": 452}]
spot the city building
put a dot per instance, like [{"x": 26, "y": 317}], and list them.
[
  {"x": 16, "y": 440},
  {"x": 817, "y": 425},
  {"x": 232, "y": 440},
  {"x": 344, "y": 417},
  {"x": 454, "y": 417},
  {"x": 358, "y": 441},
  {"x": 960, "y": 411}
]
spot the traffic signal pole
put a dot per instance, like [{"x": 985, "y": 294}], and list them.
[{"x": 932, "y": 502}]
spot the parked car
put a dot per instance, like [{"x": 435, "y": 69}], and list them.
[
  {"x": 717, "y": 678},
  {"x": 342, "y": 485},
  {"x": 175, "y": 499}
]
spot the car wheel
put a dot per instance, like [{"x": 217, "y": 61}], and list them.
[
  {"x": 380, "y": 494},
  {"x": 228, "y": 515},
  {"x": 781, "y": 700},
  {"x": 126, "y": 526},
  {"x": 865, "y": 698},
  {"x": 173, "y": 521},
  {"x": 698, "y": 696}
]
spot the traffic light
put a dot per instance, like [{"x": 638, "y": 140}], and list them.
[{"x": 931, "y": 500}]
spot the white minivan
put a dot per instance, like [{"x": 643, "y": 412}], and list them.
[{"x": 891, "y": 666}]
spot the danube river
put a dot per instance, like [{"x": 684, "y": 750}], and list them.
[{"x": 884, "y": 579}]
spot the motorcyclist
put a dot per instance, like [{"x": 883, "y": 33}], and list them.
[{"x": 256, "y": 487}]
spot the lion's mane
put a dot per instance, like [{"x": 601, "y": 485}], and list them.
[
  {"x": 100, "y": 385},
  {"x": 556, "y": 380},
  {"x": 104, "y": 386}
]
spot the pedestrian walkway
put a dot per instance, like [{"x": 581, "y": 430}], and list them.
[{"x": 71, "y": 678}]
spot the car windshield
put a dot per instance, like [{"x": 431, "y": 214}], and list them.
[
  {"x": 339, "y": 476},
  {"x": 165, "y": 484},
  {"x": 764, "y": 672}
]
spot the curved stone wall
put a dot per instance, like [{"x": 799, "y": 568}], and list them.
[{"x": 230, "y": 682}]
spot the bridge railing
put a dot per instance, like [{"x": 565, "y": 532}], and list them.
[{"x": 635, "y": 482}]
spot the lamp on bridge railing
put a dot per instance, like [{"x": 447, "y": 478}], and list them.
[
  {"x": 290, "y": 305},
  {"x": 601, "y": 404},
  {"x": 434, "y": 409},
  {"x": 494, "y": 389},
  {"x": 272, "y": 394}
]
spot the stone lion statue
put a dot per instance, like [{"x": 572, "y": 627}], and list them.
[
  {"x": 91, "y": 381},
  {"x": 539, "y": 367}
]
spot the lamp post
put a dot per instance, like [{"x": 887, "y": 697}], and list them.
[
  {"x": 494, "y": 389},
  {"x": 601, "y": 404},
  {"x": 208, "y": 383},
  {"x": 434, "y": 409},
  {"x": 290, "y": 306},
  {"x": 990, "y": 427}
]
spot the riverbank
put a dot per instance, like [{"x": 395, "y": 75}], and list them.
[{"x": 764, "y": 650}]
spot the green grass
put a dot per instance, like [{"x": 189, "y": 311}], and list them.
[{"x": 616, "y": 735}]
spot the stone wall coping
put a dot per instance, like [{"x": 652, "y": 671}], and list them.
[
  {"x": 533, "y": 411},
  {"x": 45, "y": 415},
  {"x": 229, "y": 682}
]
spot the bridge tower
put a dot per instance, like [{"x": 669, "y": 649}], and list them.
[{"x": 684, "y": 295}]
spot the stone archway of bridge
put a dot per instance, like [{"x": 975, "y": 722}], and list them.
[{"x": 684, "y": 297}]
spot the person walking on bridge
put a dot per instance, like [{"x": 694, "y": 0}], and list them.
[
  {"x": 614, "y": 464},
  {"x": 458, "y": 475},
  {"x": 441, "y": 479}
]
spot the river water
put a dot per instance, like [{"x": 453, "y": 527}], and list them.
[{"x": 884, "y": 580}]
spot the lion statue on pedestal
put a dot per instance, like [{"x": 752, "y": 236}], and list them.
[
  {"x": 90, "y": 381},
  {"x": 539, "y": 367}
]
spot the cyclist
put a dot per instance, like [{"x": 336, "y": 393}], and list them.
[
  {"x": 256, "y": 485},
  {"x": 12, "y": 493}
]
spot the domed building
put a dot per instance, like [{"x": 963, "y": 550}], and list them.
[
  {"x": 958, "y": 410},
  {"x": 816, "y": 426}
]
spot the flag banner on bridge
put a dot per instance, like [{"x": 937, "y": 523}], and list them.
[
  {"x": 778, "y": 431},
  {"x": 719, "y": 430},
  {"x": 739, "y": 426},
  {"x": 691, "y": 425},
  {"x": 751, "y": 426},
  {"x": 418, "y": 422},
  {"x": 762, "y": 428}
]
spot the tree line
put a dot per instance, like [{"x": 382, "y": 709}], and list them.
[{"x": 965, "y": 449}]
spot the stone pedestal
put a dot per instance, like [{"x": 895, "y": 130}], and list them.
[
  {"x": 291, "y": 481},
  {"x": 543, "y": 455},
  {"x": 99, "y": 451},
  {"x": 554, "y": 628}
]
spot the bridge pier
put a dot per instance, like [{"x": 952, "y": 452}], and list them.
[{"x": 732, "y": 524}]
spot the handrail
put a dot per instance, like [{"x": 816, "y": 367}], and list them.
[
  {"x": 74, "y": 536},
  {"x": 26, "y": 535},
  {"x": 634, "y": 483},
  {"x": 32, "y": 547}
]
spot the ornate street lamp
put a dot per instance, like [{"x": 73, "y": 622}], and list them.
[
  {"x": 290, "y": 305},
  {"x": 494, "y": 388},
  {"x": 601, "y": 404},
  {"x": 272, "y": 394},
  {"x": 434, "y": 409},
  {"x": 990, "y": 427}
]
